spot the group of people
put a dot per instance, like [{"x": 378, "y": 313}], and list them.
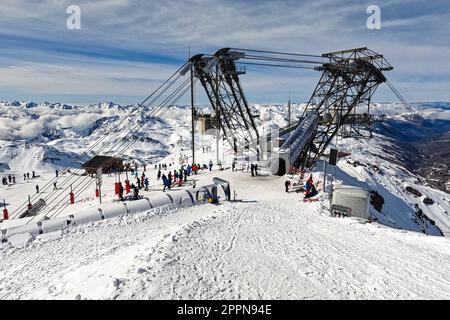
[
  {"x": 26, "y": 176},
  {"x": 310, "y": 188},
  {"x": 10, "y": 179},
  {"x": 179, "y": 177}
]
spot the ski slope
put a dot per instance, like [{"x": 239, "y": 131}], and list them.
[{"x": 270, "y": 246}]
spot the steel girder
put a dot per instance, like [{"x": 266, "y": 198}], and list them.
[
  {"x": 219, "y": 77},
  {"x": 349, "y": 79}
]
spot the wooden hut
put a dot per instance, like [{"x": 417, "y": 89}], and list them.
[{"x": 107, "y": 163}]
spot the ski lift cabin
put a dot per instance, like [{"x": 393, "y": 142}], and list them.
[{"x": 108, "y": 164}]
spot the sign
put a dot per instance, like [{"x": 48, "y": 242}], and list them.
[{"x": 333, "y": 157}]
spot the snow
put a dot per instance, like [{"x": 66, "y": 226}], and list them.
[{"x": 268, "y": 245}]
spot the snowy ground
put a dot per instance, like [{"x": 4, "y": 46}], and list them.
[{"x": 272, "y": 245}]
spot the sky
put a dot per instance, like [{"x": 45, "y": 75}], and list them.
[{"x": 126, "y": 48}]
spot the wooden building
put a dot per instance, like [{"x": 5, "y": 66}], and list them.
[{"x": 107, "y": 163}]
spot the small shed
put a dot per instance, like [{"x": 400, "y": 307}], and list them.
[{"x": 108, "y": 164}]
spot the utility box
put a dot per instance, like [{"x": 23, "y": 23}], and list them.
[{"x": 350, "y": 201}]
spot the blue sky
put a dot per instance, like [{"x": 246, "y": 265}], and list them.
[{"x": 125, "y": 48}]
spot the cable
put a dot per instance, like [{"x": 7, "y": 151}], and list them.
[
  {"x": 403, "y": 100},
  {"x": 125, "y": 145},
  {"x": 275, "y": 65},
  {"x": 174, "y": 101},
  {"x": 264, "y": 58},
  {"x": 280, "y": 53},
  {"x": 17, "y": 211}
]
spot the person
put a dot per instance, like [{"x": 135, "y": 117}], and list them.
[
  {"x": 256, "y": 169},
  {"x": 287, "y": 184},
  {"x": 159, "y": 175},
  {"x": 120, "y": 191},
  {"x": 169, "y": 178},
  {"x": 252, "y": 169},
  {"x": 219, "y": 163},
  {"x": 28, "y": 175},
  {"x": 312, "y": 192},
  {"x": 34, "y": 174},
  {"x": 165, "y": 182},
  {"x": 135, "y": 193},
  {"x": 233, "y": 166},
  {"x": 9, "y": 178},
  {"x": 24, "y": 177},
  {"x": 54, "y": 186},
  {"x": 57, "y": 173},
  {"x": 308, "y": 184},
  {"x": 175, "y": 174},
  {"x": 14, "y": 179},
  {"x": 138, "y": 182},
  {"x": 37, "y": 189},
  {"x": 146, "y": 183},
  {"x": 210, "y": 165},
  {"x": 142, "y": 179},
  {"x": 188, "y": 170},
  {"x": 145, "y": 167}
]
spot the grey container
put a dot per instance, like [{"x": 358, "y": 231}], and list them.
[{"x": 351, "y": 201}]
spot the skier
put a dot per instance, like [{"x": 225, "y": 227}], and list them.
[
  {"x": 34, "y": 175},
  {"x": 169, "y": 177},
  {"x": 287, "y": 184},
  {"x": 28, "y": 175},
  {"x": 210, "y": 165},
  {"x": 120, "y": 191},
  {"x": 233, "y": 166},
  {"x": 57, "y": 173},
  {"x": 54, "y": 186},
  {"x": 165, "y": 182},
  {"x": 9, "y": 178},
  {"x": 252, "y": 169},
  {"x": 188, "y": 170},
  {"x": 146, "y": 184},
  {"x": 135, "y": 193},
  {"x": 256, "y": 169},
  {"x": 24, "y": 177},
  {"x": 312, "y": 192},
  {"x": 159, "y": 174},
  {"x": 37, "y": 189},
  {"x": 14, "y": 179},
  {"x": 138, "y": 182}
]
